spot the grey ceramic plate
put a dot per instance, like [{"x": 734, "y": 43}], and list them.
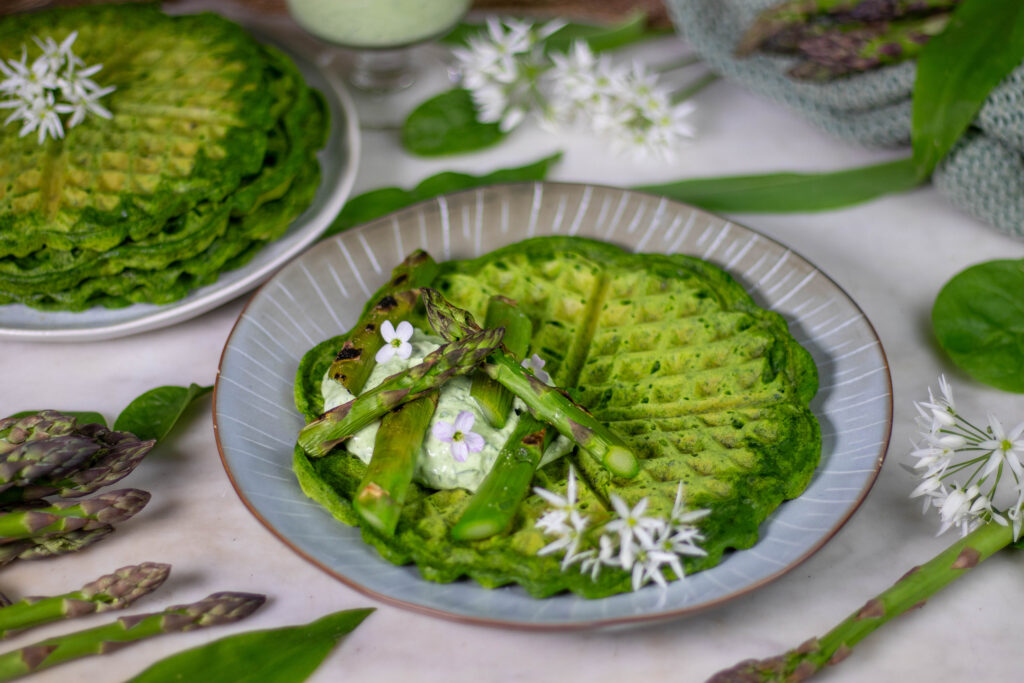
[
  {"x": 338, "y": 162},
  {"x": 321, "y": 293}
]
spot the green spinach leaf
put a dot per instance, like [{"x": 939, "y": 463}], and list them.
[
  {"x": 978, "y": 319},
  {"x": 447, "y": 124},
  {"x": 153, "y": 414},
  {"x": 281, "y": 655},
  {"x": 376, "y": 203},
  {"x": 84, "y": 417}
]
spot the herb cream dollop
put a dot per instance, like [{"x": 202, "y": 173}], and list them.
[{"x": 435, "y": 466}]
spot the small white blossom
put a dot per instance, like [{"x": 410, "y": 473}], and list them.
[
  {"x": 53, "y": 85},
  {"x": 1004, "y": 448},
  {"x": 396, "y": 341},
  {"x": 632, "y": 541},
  {"x": 458, "y": 434},
  {"x": 509, "y": 76},
  {"x": 536, "y": 364},
  {"x": 952, "y": 446}
]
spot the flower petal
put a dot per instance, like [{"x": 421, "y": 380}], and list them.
[
  {"x": 443, "y": 431},
  {"x": 459, "y": 451},
  {"x": 464, "y": 421},
  {"x": 385, "y": 353},
  {"x": 473, "y": 441},
  {"x": 387, "y": 330},
  {"x": 404, "y": 330}
]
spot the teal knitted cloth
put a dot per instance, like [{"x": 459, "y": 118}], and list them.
[{"x": 983, "y": 175}]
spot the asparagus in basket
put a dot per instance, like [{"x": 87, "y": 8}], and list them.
[{"x": 782, "y": 23}]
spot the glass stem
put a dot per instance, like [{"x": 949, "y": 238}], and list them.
[{"x": 382, "y": 71}]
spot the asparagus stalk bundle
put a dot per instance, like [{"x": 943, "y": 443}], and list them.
[
  {"x": 450, "y": 360},
  {"x": 836, "y": 53},
  {"x": 549, "y": 404},
  {"x": 46, "y": 424},
  {"x": 381, "y": 493},
  {"x": 52, "y": 546},
  {"x": 64, "y": 516},
  {"x": 916, "y": 586},
  {"x": 355, "y": 360},
  {"x": 218, "y": 608},
  {"x": 494, "y": 400},
  {"x": 781, "y": 23},
  {"x": 109, "y": 592},
  {"x": 493, "y": 505},
  {"x": 118, "y": 455}
]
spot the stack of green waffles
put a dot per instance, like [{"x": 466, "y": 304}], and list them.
[{"x": 209, "y": 154}]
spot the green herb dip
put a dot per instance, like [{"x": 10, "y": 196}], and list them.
[{"x": 435, "y": 466}]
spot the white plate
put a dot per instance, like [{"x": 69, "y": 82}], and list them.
[
  {"x": 321, "y": 293},
  {"x": 338, "y": 161}
]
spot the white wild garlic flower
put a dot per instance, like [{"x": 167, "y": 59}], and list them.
[
  {"x": 963, "y": 464},
  {"x": 632, "y": 541},
  {"x": 509, "y": 76},
  {"x": 56, "y": 83}
]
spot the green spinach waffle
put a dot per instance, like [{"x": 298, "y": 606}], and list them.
[
  {"x": 211, "y": 152},
  {"x": 670, "y": 352}
]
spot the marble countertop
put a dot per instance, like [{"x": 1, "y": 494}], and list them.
[{"x": 891, "y": 255}]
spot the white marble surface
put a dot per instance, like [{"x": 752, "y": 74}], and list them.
[{"x": 891, "y": 255}]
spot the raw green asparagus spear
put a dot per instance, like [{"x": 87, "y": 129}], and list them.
[
  {"x": 109, "y": 592},
  {"x": 494, "y": 400},
  {"x": 916, "y": 586},
  {"x": 33, "y": 460},
  {"x": 549, "y": 404},
  {"x": 776, "y": 22},
  {"x": 447, "y": 361},
  {"x": 63, "y": 516},
  {"x": 382, "y": 491},
  {"x": 118, "y": 455},
  {"x": 493, "y": 505},
  {"x": 355, "y": 360},
  {"x": 46, "y": 424},
  {"x": 837, "y": 54},
  {"x": 52, "y": 546},
  {"x": 219, "y": 608}
]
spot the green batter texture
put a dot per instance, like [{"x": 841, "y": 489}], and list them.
[
  {"x": 210, "y": 154},
  {"x": 669, "y": 351}
]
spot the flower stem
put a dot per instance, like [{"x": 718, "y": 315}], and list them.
[
  {"x": 916, "y": 586},
  {"x": 694, "y": 88},
  {"x": 680, "y": 63}
]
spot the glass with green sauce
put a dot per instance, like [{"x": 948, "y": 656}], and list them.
[{"x": 380, "y": 32}]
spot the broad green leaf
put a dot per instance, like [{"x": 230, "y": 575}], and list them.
[
  {"x": 377, "y": 203},
  {"x": 153, "y": 414},
  {"x": 84, "y": 417},
  {"x": 978, "y": 319},
  {"x": 789, "y": 192},
  {"x": 447, "y": 124},
  {"x": 281, "y": 655},
  {"x": 982, "y": 44}
]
